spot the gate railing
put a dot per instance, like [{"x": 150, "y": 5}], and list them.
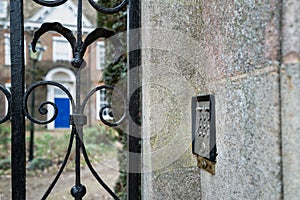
[{"x": 18, "y": 99}]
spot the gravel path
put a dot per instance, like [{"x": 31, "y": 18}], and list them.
[{"x": 36, "y": 186}]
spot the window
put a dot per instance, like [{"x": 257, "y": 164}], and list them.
[
  {"x": 7, "y": 60},
  {"x": 101, "y": 101},
  {"x": 100, "y": 55},
  {"x": 62, "y": 50},
  {"x": 8, "y": 87},
  {"x": 3, "y": 9},
  {"x": 7, "y": 49}
]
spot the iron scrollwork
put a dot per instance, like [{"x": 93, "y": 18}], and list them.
[
  {"x": 50, "y": 3},
  {"x": 107, "y": 87},
  {"x": 8, "y": 98},
  {"x": 108, "y": 10},
  {"x": 42, "y": 108},
  {"x": 77, "y": 118}
]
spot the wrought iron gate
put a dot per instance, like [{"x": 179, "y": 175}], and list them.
[{"x": 17, "y": 98}]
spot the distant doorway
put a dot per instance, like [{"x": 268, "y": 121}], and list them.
[
  {"x": 65, "y": 77},
  {"x": 62, "y": 119}
]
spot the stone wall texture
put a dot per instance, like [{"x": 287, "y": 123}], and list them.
[
  {"x": 290, "y": 98},
  {"x": 244, "y": 52}
]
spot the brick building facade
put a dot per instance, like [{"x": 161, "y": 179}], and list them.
[{"x": 57, "y": 54}]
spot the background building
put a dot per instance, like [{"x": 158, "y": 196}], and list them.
[{"x": 55, "y": 63}]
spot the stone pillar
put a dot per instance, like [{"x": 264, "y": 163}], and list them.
[
  {"x": 231, "y": 49},
  {"x": 290, "y": 98},
  {"x": 169, "y": 54}
]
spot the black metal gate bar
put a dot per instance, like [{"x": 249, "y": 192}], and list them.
[
  {"x": 133, "y": 73},
  {"x": 18, "y": 152}
]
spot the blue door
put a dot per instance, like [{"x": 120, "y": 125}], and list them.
[{"x": 62, "y": 119}]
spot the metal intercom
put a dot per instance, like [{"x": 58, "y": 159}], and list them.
[{"x": 204, "y": 132}]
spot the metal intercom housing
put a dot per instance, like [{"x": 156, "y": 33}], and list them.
[{"x": 204, "y": 131}]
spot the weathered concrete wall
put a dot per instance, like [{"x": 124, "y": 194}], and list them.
[
  {"x": 230, "y": 49},
  {"x": 290, "y": 98}
]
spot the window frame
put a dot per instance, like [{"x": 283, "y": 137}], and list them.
[
  {"x": 101, "y": 101},
  {"x": 8, "y": 87},
  {"x": 3, "y": 9},
  {"x": 7, "y": 56},
  {"x": 7, "y": 60},
  {"x": 100, "y": 55},
  {"x": 55, "y": 41}
]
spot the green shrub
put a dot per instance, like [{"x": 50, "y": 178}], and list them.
[
  {"x": 39, "y": 164},
  {"x": 52, "y": 147},
  {"x": 99, "y": 135},
  {"x": 5, "y": 164},
  {"x": 5, "y": 139},
  {"x": 99, "y": 141},
  {"x": 5, "y": 131}
]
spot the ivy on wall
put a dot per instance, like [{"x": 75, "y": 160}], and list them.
[{"x": 111, "y": 75}]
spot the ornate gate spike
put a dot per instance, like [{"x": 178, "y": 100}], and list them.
[{"x": 55, "y": 26}]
